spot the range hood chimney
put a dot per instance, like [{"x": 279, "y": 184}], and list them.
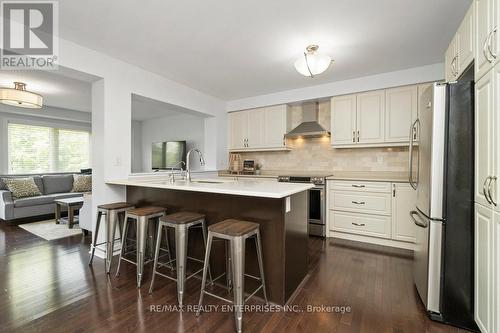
[{"x": 309, "y": 126}]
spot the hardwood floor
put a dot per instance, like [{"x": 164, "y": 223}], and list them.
[{"x": 48, "y": 287}]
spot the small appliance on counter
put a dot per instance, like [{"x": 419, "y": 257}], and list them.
[
  {"x": 235, "y": 163},
  {"x": 249, "y": 166}
]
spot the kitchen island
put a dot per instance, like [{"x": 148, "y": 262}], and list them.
[{"x": 279, "y": 208}]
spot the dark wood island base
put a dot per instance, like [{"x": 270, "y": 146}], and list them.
[{"x": 283, "y": 225}]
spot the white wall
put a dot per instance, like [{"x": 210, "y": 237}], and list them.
[
  {"x": 173, "y": 128},
  {"x": 183, "y": 127},
  {"x": 136, "y": 153},
  {"x": 380, "y": 81},
  {"x": 47, "y": 116}
]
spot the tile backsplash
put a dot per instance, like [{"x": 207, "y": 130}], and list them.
[{"x": 316, "y": 154}]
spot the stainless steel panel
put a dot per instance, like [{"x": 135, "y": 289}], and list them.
[
  {"x": 421, "y": 255},
  {"x": 431, "y": 151},
  {"x": 427, "y": 260},
  {"x": 435, "y": 248}
]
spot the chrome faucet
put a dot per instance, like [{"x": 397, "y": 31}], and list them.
[{"x": 188, "y": 167}]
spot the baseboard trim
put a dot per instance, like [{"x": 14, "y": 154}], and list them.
[{"x": 373, "y": 240}]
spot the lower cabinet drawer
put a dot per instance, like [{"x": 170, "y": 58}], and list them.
[
  {"x": 370, "y": 203},
  {"x": 361, "y": 224}
]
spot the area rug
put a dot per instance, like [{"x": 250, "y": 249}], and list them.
[{"x": 49, "y": 230}]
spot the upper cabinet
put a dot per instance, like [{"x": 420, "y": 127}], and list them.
[
  {"x": 343, "y": 119},
  {"x": 370, "y": 117},
  {"x": 460, "y": 52},
  {"x": 374, "y": 118},
  {"x": 258, "y": 129},
  {"x": 451, "y": 61},
  {"x": 400, "y": 109},
  {"x": 486, "y": 46}
]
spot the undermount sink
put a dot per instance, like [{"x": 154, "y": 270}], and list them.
[{"x": 206, "y": 181}]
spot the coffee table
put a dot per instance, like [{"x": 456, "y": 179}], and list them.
[{"x": 71, "y": 204}]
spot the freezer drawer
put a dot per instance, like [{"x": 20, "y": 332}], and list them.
[{"x": 427, "y": 260}]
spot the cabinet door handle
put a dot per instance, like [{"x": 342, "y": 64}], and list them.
[
  {"x": 353, "y": 136},
  {"x": 484, "y": 49},
  {"x": 358, "y": 186},
  {"x": 494, "y": 55},
  {"x": 358, "y": 136},
  {"x": 492, "y": 179},
  {"x": 358, "y": 224},
  {"x": 358, "y": 202},
  {"x": 484, "y": 189}
]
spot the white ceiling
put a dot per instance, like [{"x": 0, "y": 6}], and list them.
[
  {"x": 63, "y": 88},
  {"x": 234, "y": 49},
  {"x": 144, "y": 108}
]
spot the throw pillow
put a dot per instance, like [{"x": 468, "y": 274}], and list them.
[
  {"x": 22, "y": 187},
  {"x": 82, "y": 183}
]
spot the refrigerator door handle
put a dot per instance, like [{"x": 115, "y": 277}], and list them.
[
  {"x": 410, "y": 155},
  {"x": 421, "y": 224}
]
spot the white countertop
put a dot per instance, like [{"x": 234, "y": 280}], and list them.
[
  {"x": 374, "y": 176},
  {"x": 245, "y": 187}
]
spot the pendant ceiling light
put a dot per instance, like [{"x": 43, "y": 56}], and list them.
[
  {"x": 19, "y": 96},
  {"x": 312, "y": 63}
]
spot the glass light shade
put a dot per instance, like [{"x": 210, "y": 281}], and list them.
[
  {"x": 318, "y": 63},
  {"x": 20, "y": 97}
]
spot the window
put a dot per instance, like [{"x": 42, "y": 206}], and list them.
[{"x": 36, "y": 149}]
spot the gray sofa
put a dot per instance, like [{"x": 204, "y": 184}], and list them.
[{"x": 52, "y": 187}]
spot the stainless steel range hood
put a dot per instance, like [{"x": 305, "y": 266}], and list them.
[{"x": 309, "y": 126}]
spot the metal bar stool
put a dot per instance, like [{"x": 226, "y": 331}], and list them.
[
  {"x": 142, "y": 217},
  {"x": 114, "y": 213},
  {"x": 236, "y": 232},
  {"x": 181, "y": 223}
]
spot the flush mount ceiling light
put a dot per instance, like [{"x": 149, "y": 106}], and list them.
[
  {"x": 312, "y": 63},
  {"x": 19, "y": 96}
]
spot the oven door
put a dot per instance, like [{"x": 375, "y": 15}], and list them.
[{"x": 317, "y": 211}]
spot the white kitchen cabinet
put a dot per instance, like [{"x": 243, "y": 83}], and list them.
[
  {"x": 371, "y": 212},
  {"x": 343, "y": 119},
  {"x": 370, "y": 110},
  {"x": 466, "y": 41},
  {"x": 258, "y": 129},
  {"x": 451, "y": 60},
  {"x": 255, "y": 128},
  {"x": 400, "y": 106},
  {"x": 404, "y": 199},
  {"x": 486, "y": 36},
  {"x": 485, "y": 134},
  {"x": 461, "y": 50},
  {"x": 275, "y": 126},
  {"x": 485, "y": 279},
  {"x": 237, "y": 129}
]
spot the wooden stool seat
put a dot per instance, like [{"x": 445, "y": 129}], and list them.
[
  {"x": 182, "y": 217},
  {"x": 115, "y": 205},
  {"x": 233, "y": 227},
  {"x": 145, "y": 211}
]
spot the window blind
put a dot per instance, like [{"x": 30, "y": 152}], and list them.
[{"x": 37, "y": 149}]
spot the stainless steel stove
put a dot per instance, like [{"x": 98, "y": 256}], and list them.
[{"x": 317, "y": 200}]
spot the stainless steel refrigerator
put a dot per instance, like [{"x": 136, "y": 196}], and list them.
[{"x": 442, "y": 172}]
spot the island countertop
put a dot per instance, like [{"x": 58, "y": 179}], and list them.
[{"x": 244, "y": 187}]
